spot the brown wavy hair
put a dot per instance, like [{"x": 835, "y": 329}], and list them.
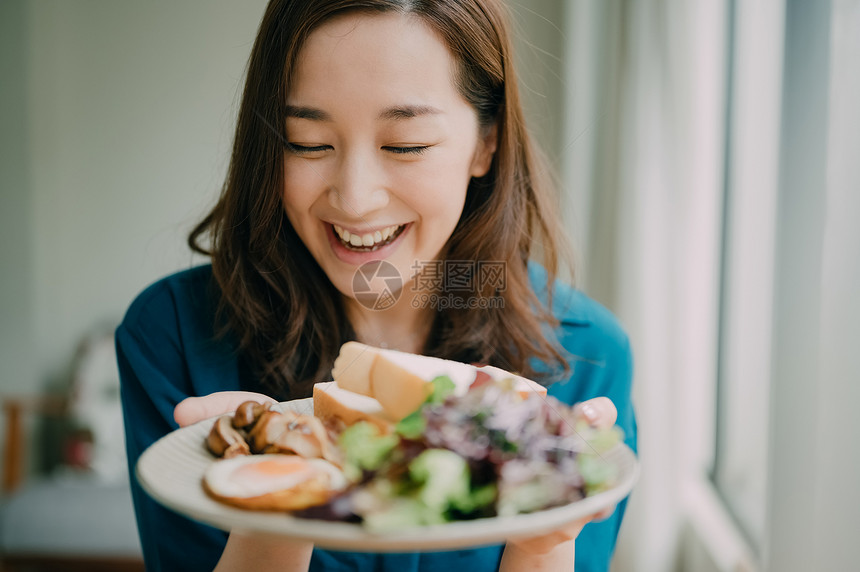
[{"x": 287, "y": 317}]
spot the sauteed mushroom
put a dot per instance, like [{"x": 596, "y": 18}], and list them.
[
  {"x": 257, "y": 429},
  {"x": 268, "y": 428},
  {"x": 224, "y": 440},
  {"x": 307, "y": 436},
  {"x": 248, "y": 413}
]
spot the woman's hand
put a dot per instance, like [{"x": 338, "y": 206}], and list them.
[
  {"x": 555, "y": 550},
  {"x": 262, "y": 552},
  {"x": 244, "y": 550},
  {"x": 194, "y": 409}
]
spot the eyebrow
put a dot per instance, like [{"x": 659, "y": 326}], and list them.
[
  {"x": 395, "y": 113},
  {"x": 302, "y": 112},
  {"x": 408, "y": 112}
]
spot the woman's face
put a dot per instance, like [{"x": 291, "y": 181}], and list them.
[{"x": 381, "y": 145}]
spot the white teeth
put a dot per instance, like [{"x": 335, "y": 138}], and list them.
[
  {"x": 366, "y": 240},
  {"x": 344, "y": 234}
]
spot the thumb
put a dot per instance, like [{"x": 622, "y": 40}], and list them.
[{"x": 193, "y": 409}]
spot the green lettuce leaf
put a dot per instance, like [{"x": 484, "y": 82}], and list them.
[{"x": 365, "y": 446}]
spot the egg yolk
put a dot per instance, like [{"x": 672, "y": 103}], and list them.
[{"x": 269, "y": 468}]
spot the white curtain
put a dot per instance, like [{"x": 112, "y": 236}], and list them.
[{"x": 645, "y": 183}]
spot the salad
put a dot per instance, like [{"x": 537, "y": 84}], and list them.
[{"x": 487, "y": 453}]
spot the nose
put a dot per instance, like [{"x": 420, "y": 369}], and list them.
[{"x": 358, "y": 186}]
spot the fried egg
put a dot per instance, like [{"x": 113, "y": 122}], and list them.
[{"x": 274, "y": 482}]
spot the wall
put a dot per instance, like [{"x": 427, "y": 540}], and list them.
[
  {"x": 121, "y": 116},
  {"x": 17, "y": 354}
]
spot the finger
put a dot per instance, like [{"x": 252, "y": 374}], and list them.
[
  {"x": 599, "y": 411},
  {"x": 194, "y": 409},
  {"x": 543, "y": 543},
  {"x": 604, "y": 514}
]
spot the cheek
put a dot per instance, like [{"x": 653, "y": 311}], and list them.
[
  {"x": 438, "y": 188},
  {"x": 436, "y": 194},
  {"x": 302, "y": 188}
]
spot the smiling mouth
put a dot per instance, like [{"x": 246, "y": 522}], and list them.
[{"x": 368, "y": 242}]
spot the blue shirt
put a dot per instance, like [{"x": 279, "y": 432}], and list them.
[{"x": 167, "y": 351}]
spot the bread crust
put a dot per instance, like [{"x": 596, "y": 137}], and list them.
[
  {"x": 352, "y": 367},
  {"x": 329, "y": 408}
]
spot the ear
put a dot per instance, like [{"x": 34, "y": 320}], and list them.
[{"x": 485, "y": 150}]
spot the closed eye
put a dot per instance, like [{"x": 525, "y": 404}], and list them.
[
  {"x": 414, "y": 150},
  {"x": 305, "y": 149}
]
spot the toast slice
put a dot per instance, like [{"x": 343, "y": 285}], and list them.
[
  {"x": 332, "y": 402},
  {"x": 400, "y": 382}
]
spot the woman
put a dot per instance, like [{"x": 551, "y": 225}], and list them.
[{"x": 369, "y": 130}]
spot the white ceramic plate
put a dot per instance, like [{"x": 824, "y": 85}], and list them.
[{"x": 172, "y": 469}]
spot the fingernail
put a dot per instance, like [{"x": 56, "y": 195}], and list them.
[{"x": 589, "y": 412}]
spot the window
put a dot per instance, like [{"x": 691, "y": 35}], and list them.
[{"x": 749, "y": 233}]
